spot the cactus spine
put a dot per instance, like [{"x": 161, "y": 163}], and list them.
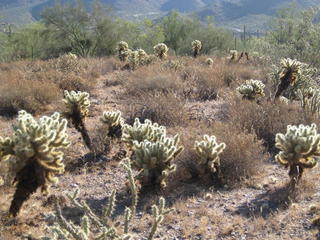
[
  {"x": 36, "y": 145},
  {"x": 161, "y": 50},
  {"x": 252, "y": 89},
  {"x": 196, "y": 47},
  {"x": 299, "y": 149},
  {"x": 77, "y": 105}
]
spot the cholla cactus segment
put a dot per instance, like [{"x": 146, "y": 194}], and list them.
[
  {"x": 208, "y": 151},
  {"x": 299, "y": 149},
  {"x": 112, "y": 119},
  {"x": 161, "y": 50},
  {"x": 154, "y": 158},
  {"x": 67, "y": 62},
  {"x": 252, "y": 89},
  {"x": 196, "y": 47},
  {"x": 209, "y": 61},
  {"x": 36, "y": 146},
  {"x": 123, "y": 50},
  {"x": 77, "y": 102},
  {"x": 142, "y": 131}
]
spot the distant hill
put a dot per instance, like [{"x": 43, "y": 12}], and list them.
[{"x": 231, "y": 13}]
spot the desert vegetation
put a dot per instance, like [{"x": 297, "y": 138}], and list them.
[{"x": 149, "y": 144}]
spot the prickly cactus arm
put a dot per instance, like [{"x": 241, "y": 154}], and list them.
[{"x": 28, "y": 179}]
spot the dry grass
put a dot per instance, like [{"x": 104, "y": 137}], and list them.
[
  {"x": 265, "y": 119},
  {"x": 164, "y": 109},
  {"x": 242, "y": 159},
  {"x": 32, "y": 86}
]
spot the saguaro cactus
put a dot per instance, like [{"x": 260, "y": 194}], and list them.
[
  {"x": 123, "y": 51},
  {"x": 196, "y": 47},
  {"x": 77, "y": 104},
  {"x": 252, "y": 89},
  {"x": 289, "y": 75},
  {"x": 208, "y": 151},
  {"x": 161, "y": 50},
  {"x": 36, "y": 146},
  {"x": 299, "y": 149}
]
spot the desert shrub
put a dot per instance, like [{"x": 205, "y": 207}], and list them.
[
  {"x": 36, "y": 147},
  {"x": 165, "y": 109},
  {"x": 152, "y": 80},
  {"x": 238, "y": 162},
  {"x": 204, "y": 84},
  {"x": 265, "y": 119},
  {"x": 17, "y": 94}
]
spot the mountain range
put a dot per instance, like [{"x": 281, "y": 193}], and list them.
[{"x": 230, "y": 13}]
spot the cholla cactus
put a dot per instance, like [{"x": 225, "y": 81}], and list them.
[
  {"x": 67, "y": 63},
  {"x": 161, "y": 50},
  {"x": 133, "y": 60},
  {"x": 209, "y": 61},
  {"x": 289, "y": 75},
  {"x": 95, "y": 226},
  {"x": 143, "y": 57},
  {"x": 114, "y": 123},
  {"x": 36, "y": 146},
  {"x": 299, "y": 149},
  {"x": 310, "y": 101},
  {"x": 234, "y": 55},
  {"x": 158, "y": 214},
  {"x": 196, "y": 47},
  {"x": 208, "y": 151},
  {"x": 142, "y": 131},
  {"x": 153, "y": 159},
  {"x": 252, "y": 89},
  {"x": 123, "y": 51},
  {"x": 77, "y": 104}
]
